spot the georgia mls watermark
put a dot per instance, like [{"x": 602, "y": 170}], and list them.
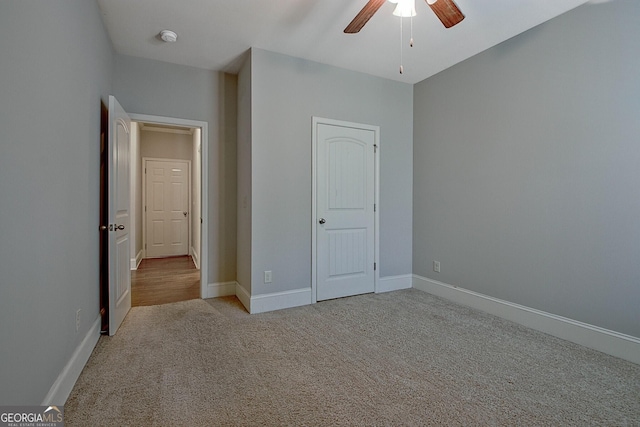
[{"x": 31, "y": 416}]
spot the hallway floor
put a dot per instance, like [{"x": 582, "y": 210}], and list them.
[{"x": 164, "y": 280}]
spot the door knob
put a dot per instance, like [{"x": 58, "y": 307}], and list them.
[
  {"x": 120, "y": 227},
  {"x": 322, "y": 221},
  {"x": 184, "y": 213}
]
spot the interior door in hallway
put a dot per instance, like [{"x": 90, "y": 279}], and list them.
[
  {"x": 345, "y": 197},
  {"x": 166, "y": 208}
]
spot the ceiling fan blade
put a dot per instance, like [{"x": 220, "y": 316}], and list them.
[
  {"x": 447, "y": 12},
  {"x": 363, "y": 16}
]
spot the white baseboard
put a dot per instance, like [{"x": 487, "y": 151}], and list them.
[
  {"x": 61, "y": 388},
  {"x": 243, "y": 296},
  {"x": 614, "y": 343},
  {"x": 223, "y": 289},
  {"x": 279, "y": 300},
  {"x": 196, "y": 259},
  {"x": 394, "y": 283},
  {"x": 135, "y": 262}
]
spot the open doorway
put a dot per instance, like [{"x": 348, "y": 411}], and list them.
[{"x": 173, "y": 147}]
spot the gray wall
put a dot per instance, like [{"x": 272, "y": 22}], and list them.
[
  {"x": 164, "y": 145},
  {"x": 244, "y": 176},
  {"x": 527, "y": 169},
  {"x": 56, "y": 66},
  {"x": 145, "y": 86},
  {"x": 285, "y": 93},
  {"x": 227, "y": 173}
]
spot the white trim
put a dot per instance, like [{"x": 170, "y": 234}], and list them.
[
  {"x": 243, "y": 296},
  {"x": 204, "y": 189},
  {"x": 223, "y": 289},
  {"x": 195, "y": 257},
  {"x": 134, "y": 151},
  {"x": 376, "y": 212},
  {"x": 314, "y": 208},
  {"x": 315, "y": 121},
  {"x": 147, "y": 128},
  {"x": 614, "y": 343},
  {"x": 394, "y": 283},
  {"x": 61, "y": 388},
  {"x": 279, "y": 300},
  {"x": 135, "y": 262}
]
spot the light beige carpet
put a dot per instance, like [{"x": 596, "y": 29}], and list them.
[{"x": 401, "y": 358}]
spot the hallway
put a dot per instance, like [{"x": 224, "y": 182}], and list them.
[{"x": 164, "y": 280}]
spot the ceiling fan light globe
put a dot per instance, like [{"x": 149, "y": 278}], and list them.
[{"x": 405, "y": 8}]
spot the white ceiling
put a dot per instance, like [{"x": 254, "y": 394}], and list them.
[{"x": 213, "y": 34}]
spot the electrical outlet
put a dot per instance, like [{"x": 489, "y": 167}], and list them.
[
  {"x": 78, "y": 320},
  {"x": 436, "y": 266},
  {"x": 267, "y": 276}
]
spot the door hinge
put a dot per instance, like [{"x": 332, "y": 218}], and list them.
[
  {"x": 145, "y": 208},
  {"x": 375, "y": 148},
  {"x": 374, "y": 207},
  {"x": 145, "y": 170},
  {"x": 374, "y": 266},
  {"x": 145, "y": 246}
]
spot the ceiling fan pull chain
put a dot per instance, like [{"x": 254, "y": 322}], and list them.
[
  {"x": 401, "y": 68},
  {"x": 411, "y": 39}
]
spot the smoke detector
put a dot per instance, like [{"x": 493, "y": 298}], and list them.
[{"x": 168, "y": 36}]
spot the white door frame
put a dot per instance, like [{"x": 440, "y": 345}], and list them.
[
  {"x": 144, "y": 200},
  {"x": 204, "y": 197},
  {"x": 314, "y": 181}
]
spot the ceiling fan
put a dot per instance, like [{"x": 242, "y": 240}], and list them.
[{"x": 446, "y": 10}]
